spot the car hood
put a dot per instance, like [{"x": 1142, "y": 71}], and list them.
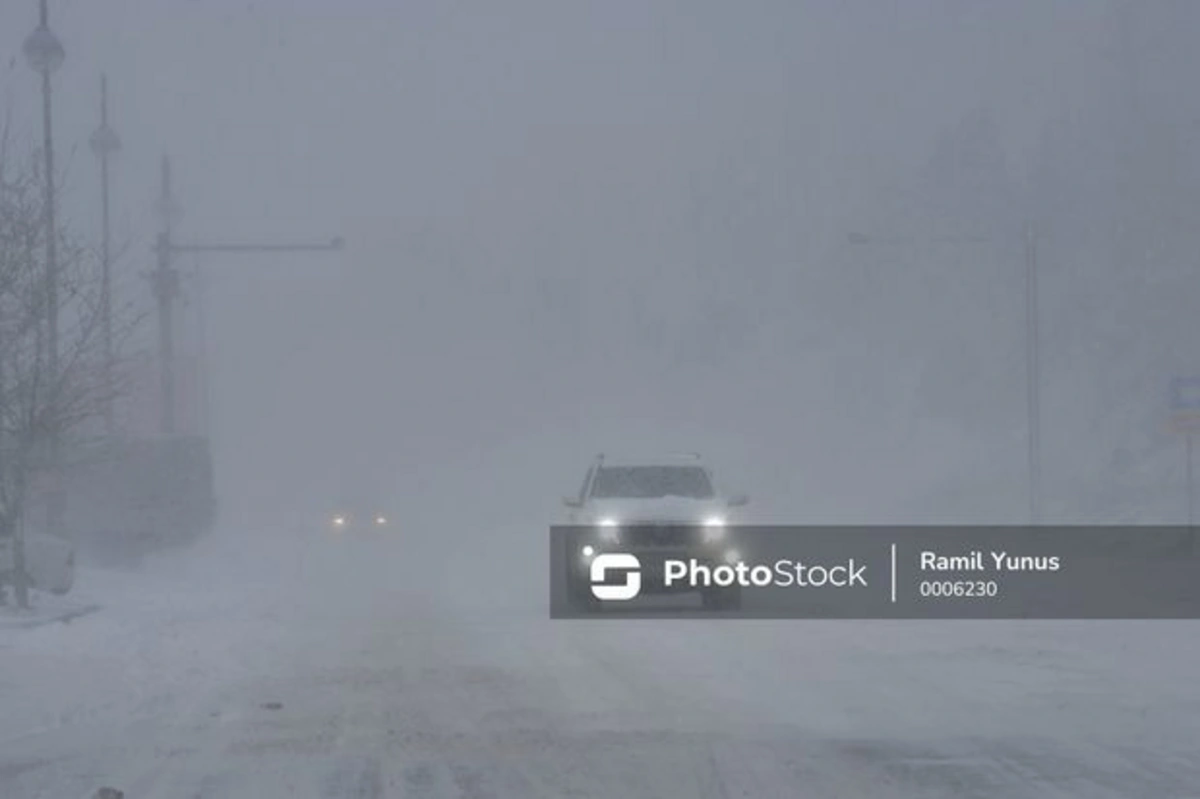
[{"x": 661, "y": 509}]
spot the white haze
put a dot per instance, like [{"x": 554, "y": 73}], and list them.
[
  {"x": 567, "y": 226},
  {"x": 627, "y": 225}
]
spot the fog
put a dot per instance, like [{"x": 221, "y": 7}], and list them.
[
  {"x": 792, "y": 236},
  {"x": 569, "y": 228}
]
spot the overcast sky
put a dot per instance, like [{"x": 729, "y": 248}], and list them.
[{"x": 468, "y": 150}]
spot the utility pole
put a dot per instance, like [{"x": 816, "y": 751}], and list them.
[
  {"x": 165, "y": 280},
  {"x": 105, "y": 143}
]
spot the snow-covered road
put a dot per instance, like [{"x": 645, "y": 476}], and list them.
[{"x": 362, "y": 669}]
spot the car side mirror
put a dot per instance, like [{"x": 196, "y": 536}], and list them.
[
  {"x": 738, "y": 500},
  {"x": 572, "y": 502}
]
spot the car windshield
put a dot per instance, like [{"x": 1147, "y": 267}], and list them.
[{"x": 649, "y": 482}]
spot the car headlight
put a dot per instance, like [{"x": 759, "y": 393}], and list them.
[
  {"x": 714, "y": 529},
  {"x": 380, "y": 520},
  {"x": 609, "y": 530},
  {"x": 339, "y": 521}
]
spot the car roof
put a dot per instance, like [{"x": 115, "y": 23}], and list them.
[{"x": 667, "y": 459}]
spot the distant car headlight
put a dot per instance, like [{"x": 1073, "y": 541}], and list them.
[
  {"x": 714, "y": 529},
  {"x": 339, "y": 521},
  {"x": 381, "y": 520}
]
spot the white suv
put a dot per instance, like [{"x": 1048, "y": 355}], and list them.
[{"x": 656, "y": 508}]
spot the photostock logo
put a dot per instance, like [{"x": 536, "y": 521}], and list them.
[{"x": 618, "y": 562}]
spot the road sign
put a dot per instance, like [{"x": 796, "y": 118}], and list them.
[
  {"x": 1185, "y": 394},
  {"x": 1185, "y": 404}
]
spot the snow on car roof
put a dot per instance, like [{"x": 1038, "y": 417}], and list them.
[{"x": 662, "y": 459}]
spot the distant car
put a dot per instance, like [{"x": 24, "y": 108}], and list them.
[
  {"x": 656, "y": 508},
  {"x": 49, "y": 563},
  {"x": 358, "y": 520}
]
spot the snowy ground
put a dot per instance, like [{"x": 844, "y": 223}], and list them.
[{"x": 395, "y": 679}]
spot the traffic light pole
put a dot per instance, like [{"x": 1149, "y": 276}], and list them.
[{"x": 165, "y": 281}]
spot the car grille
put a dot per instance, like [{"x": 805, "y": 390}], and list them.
[{"x": 664, "y": 535}]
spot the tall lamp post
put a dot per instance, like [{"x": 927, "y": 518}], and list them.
[
  {"x": 105, "y": 144},
  {"x": 1033, "y": 377},
  {"x": 45, "y": 54},
  {"x": 1032, "y": 350}
]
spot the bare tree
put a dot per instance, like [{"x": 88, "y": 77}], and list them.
[{"x": 35, "y": 404}]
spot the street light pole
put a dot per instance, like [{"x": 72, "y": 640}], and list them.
[
  {"x": 1033, "y": 375},
  {"x": 165, "y": 279},
  {"x": 104, "y": 143},
  {"x": 45, "y": 54}
]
